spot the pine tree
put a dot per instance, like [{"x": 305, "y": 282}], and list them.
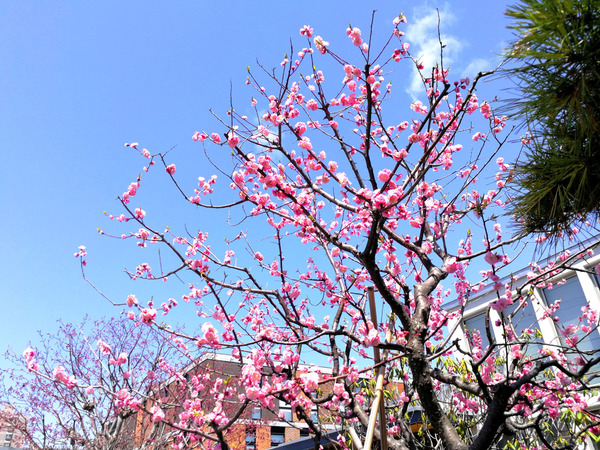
[{"x": 555, "y": 62}]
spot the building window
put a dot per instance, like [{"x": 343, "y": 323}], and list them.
[
  {"x": 524, "y": 322},
  {"x": 8, "y": 436},
  {"x": 314, "y": 415},
  {"x": 475, "y": 326},
  {"x": 256, "y": 413},
  {"x": 277, "y": 436},
  {"x": 285, "y": 412},
  {"x": 596, "y": 277},
  {"x": 572, "y": 300},
  {"x": 251, "y": 441}
]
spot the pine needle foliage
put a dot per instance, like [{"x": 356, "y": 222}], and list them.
[{"x": 555, "y": 62}]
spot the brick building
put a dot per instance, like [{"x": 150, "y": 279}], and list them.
[
  {"x": 257, "y": 429},
  {"x": 11, "y": 425}
]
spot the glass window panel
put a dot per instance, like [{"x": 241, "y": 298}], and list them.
[
  {"x": 314, "y": 416},
  {"x": 572, "y": 300},
  {"x": 476, "y": 324},
  {"x": 251, "y": 440},
  {"x": 277, "y": 436},
  {"x": 596, "y": 277},
  {"x": 525, "y": 318},
  {"x": 285, "y": 411},
  {"x": 525, "y": 323}
]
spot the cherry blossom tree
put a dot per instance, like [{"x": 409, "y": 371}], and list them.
[
  {"x": 80, "y": 391},
  {"x": 354, "y": 222}
]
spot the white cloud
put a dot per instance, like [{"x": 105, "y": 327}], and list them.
[
  {"x": 477, "y": 65},
  {"x": 424, "y": 37},
  {"x": 422, "y": 34}
]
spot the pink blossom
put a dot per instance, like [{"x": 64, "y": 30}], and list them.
[
  {"x": 122, "y": 358},
  {"x": 158, "y": 414},
  {"x": 170, "y": 169},
  {"x": 307, "y": 31},
  {"x": 29, "y": 354},
  {"x": 400, "y": 19},
  {"x": 403, "y": 397},
  {"x": 321, "y": 45},
  {"x": 501, "y": 304},
  {"x": 60, "y": 374},
  {"x": 338, "y": 389},
  {"x": 140, "y": 213},
  {"x": 310, "y": 381},
  {"x": 305, "y": 143},
  {"x": 211, "y": 336},
  {"x": 380, "y": 201},
  {"x": 384, "y": 175},
  {"x": 416, "y": 222},
  {"x": 125, "y": 399},
  {"x": 492, "y": 258},
  {"x": 312, "y": 105},
  {"x": 81, "y": 252},
  {"x": 427, "y": 247},
  {"x": 199, "y": 136},
  {"x": 232, "y": 139},
  {"x": 372, "y": 339},
  {"x": 103, "y": 347},
  {"x": 354, "y": 35},
  {"x": 451, "y": 265},
  {"x": 486, "y": 110},
  {"x": 148, "y": 315},
  {"x": 131, "y": 300}
]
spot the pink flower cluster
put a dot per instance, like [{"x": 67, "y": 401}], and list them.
[
  {"x": 310, "y": 381},
  {"x": 122, "y": 359},
  {"x": 354, "y": 35},
  {"x": 103, "y": 347},
  {"x": 29, "y": 355},
  {"x": 158, "y": 415},
  {"x": 321, "y": 45},
  {"x": 61, "y": 375},
  {"x": 210, "y": 336},
  {"x": 126, "y": 400},
  {"x": 147, "y": 315}
]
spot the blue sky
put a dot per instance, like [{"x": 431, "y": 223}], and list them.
[{"x": 79, "y": 79}]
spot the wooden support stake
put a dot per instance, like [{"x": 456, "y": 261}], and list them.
[
  {"x": 378, "y": 406},
  {"x": 356, "y": 443}
]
